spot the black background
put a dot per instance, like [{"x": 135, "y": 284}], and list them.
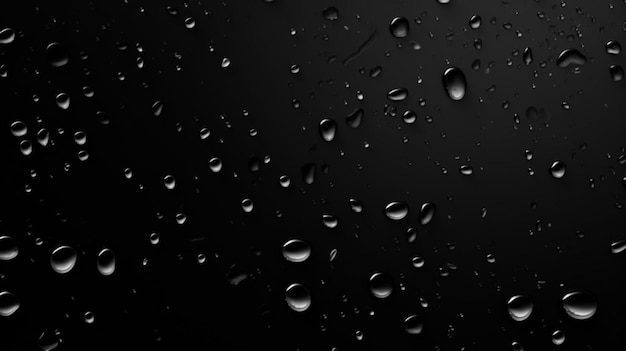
[{"x": 174, "y": 302}]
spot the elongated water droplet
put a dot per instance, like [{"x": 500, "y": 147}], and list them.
[
  {"x": 63, "y": 259},
  {"x": 618, "y": 246},
  {"x": 308, "y": 173},
  {"x": 427, "y": 212},
  {"x": 413, "y": 324},
  {"x": 355, "y": 118},
  {"x": 528, "y": 56},
  {"x": 580, "y": 304},
  {"x": 328, "y": 129},
  {"x": 617, "y": 72},
  {"x": 557, "y": 169},
  {"x": 570, "y": 57},
  {"x": 398, "y": 94},
  {"x": 105, "y": 262},
  {"x": 399, "y": 27},
  {"x": 520, "y": 307},
  {"x": 381, "y": 285},
  {"x": 396, "y": 210},
  {"x": 7, "y": 35},
  {"x": 296, "y": 250},
  {"x": 9, "y": 304},
  {"x": 454, "y": 83},
  {"x": 298, "y": 297}
]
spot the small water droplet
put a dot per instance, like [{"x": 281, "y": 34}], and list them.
[
  {"x": 8, "y": 248},
  {"x": 558, "y": 337},
  {"x": 296, "y": 250},
  {"x": 215, "y": 164},
  {"x": 63, "y": 101},
  {"x": 454, "y": 83},
  {"x": 330, "y": 13},
  {"x": 426, "y": 213},
  {"x": 475, "y": 22},
  {"x": 413, "y": 324},
  {"x": 105, "y": 262},
  {"x": 613, "y": 47},
  {"x": 466, "y": 170},
  {"x": 399, "y": 27},
  {"x": 381, "y": 285},
  {"x": 328, "y": 129},
  {"x": 169, "y": 181},
  {"x": 63, "y": 259},
  {"x": 418, "y": 262},
  {"x": 356, "y": 206},
  {"x": 520, "y": 307},
  {"x": 396, "y": 210},
  {"x": 617, "y": 73},
  {"x": 57, "y": 54},
  {"x": 330, "y": 221},
  {"x": 409, "y": 116},
  {"x": 298, "y": 297},
  {"x": 89, "y": 317},
  {"x": 355, "y": 118},
  {"x": 557, "y": 169},
  {"x": 398, "y": 94},
  {"x": 247, "y": 205},
  {"x": 527, "y": 56}
]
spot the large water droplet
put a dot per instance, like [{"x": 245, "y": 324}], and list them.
[
  {"x": 215, "y": 164},
  {"x": 396, "y": 210},
  {"x": 7, "y": 35},
  {"x": 63, "y": 259},
  {"x": 331, "y": 13},
  {"x": 106, "y": 262},
  {"x": 398, "y": 94},
  {"x": 557, "y": 169},
  {"x": 466, "y": 170},
  {"x": 355, "y": 118},
  {"x": 298, "y": 297},
  {"x": 454, "y": 83},
  {"x": 580, "y": 305},
  {"x": 413, "y": 324},
  {"x": 570, "y": 57},
  {"x": 169, "y": 181},
  {"x": 427, "y": 212},
  {"x": 618, "y": 246},
  {"x": 520, "y": 307},
  {"x": 409, "y": 116},
  {"x": 399, "y": 27},
  {"x": 475, "y": 22},
  {"x": 296, "y": 250},
  {"x": 57, "y": 55},
  {"x": 328, "y": 129},
  {"x": 330, "y": 221},
  {"x": 18, "y": 128},
  {"x": 381, "y": 285},
  {"x": 8, "y": 304},
  {"x": 613, "y": 47},
  {"x": 8, "y": 248},
  {"x": 617, "y": 72}
]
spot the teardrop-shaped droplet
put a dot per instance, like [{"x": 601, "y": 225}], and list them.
[
  {"x": 296, "y": 250},
  {"x": 399, "y": 27},
  {"x": 398, "y": 94},
  {"x": 427, "y": 212},
  {"x": 613, "y": 47},
  {"x": 330, "y": 221},
  {"x": 454, "y": 83},
  {"x": 57, "y": 54},
  {"x": 475, "y": 22},
  {"x": 355, "y": 118},
  {"x": 8, "y": 304},
  {"x": 580, "y": 304},
  {"x": 617, "y": 72},
  {"x": 308, "y": 173},
  {"x": 413, "y": 324},
  {"x": 570, "y": 57},
  {"x": 328, "y": 129},
  {"x": 63, "y": 101},
  {"x": 105, "y": 262},
  {"x": 8, "y": 248},
  {"x": 298, "y": 297},
  {"x": 169, "y": 181},
  {"x": 520, "y": 307},
  {"x": 558, "y": 337},
  {"x": 63, "y": 259},
  {"x": 618, "y": 246},
  {"x": 557, "y": 169},
  {"x": 381, "y": 285},
  {"x": 331, "y": 13},
  {"x": 396, "y": 210},
  {"x": 356, "y": 206},
  {"x": 527, "y": 56},
  {"x": 7, "y": 35}
]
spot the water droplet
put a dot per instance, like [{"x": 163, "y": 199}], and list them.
[
  {"x": 358, "y": 335},
  {"x": 527, "y": 56},
  {"x": 356, "y": 206},
  {"x": 296, "y": 250},
  {"x": 284, "y": 181},
  {"x": 298, "y": 297},
  {"x": 520, "y": 307},
  {"x": 613, "y": 47},
  {"x": 308, "y": 173},
  {"x": 7, "y": 35},
  {"x": 106, "y": 262},
  {"x": 157, "y": 108},
  {"x": 409, "y": 116},
  {"x": 169, "y": 181},
  {"x": 190, "y": 23},
  {"x": 418, "y": 262},
  {"x": 247, "y": 205},
  {"x": 225, "y": 62},
  {"x": 411, "y": 234},
  {"x": 466, "y": 170},
  {"x": 63, "y": 259},
  {"x": 454, "y": 83},
  {"x": 331, "y": 13},
  {"x": 475, "y": 22},
  {"x": 48, "y": 341},
  {"x": 617, "y": 72},
  {"x": 557, "y": 169},
  {"x": 558, "y": 337},
  {"x": 517, "y": 346},
  {"x": 18, "y": 128},
  {"x": 8, "y": 304},
  {"x": 398, "y": 94},
  {"x": 618, "y": 246},
  {"x": 427, "y": 212},
  {"x": 89, "y": 317},
  {"x": 570, "y": 57},
  {"x": 381, "y": 285},
  {"x": 328, "y": 129},
  {"x": 215, "y": 164},
  {"x": 413, "y": 324},
  {"x": 63, "y": 101},
  {"x": 355, "y": 118},
  {"x": 57, "y": 55},
  {"x": 399, "y": 27},
  {"x": 330, "y": 221},
  {"x": 580, "y": 305},
  {"x": 396, "y": 210},
  {"x": 8, "y": 248}
]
